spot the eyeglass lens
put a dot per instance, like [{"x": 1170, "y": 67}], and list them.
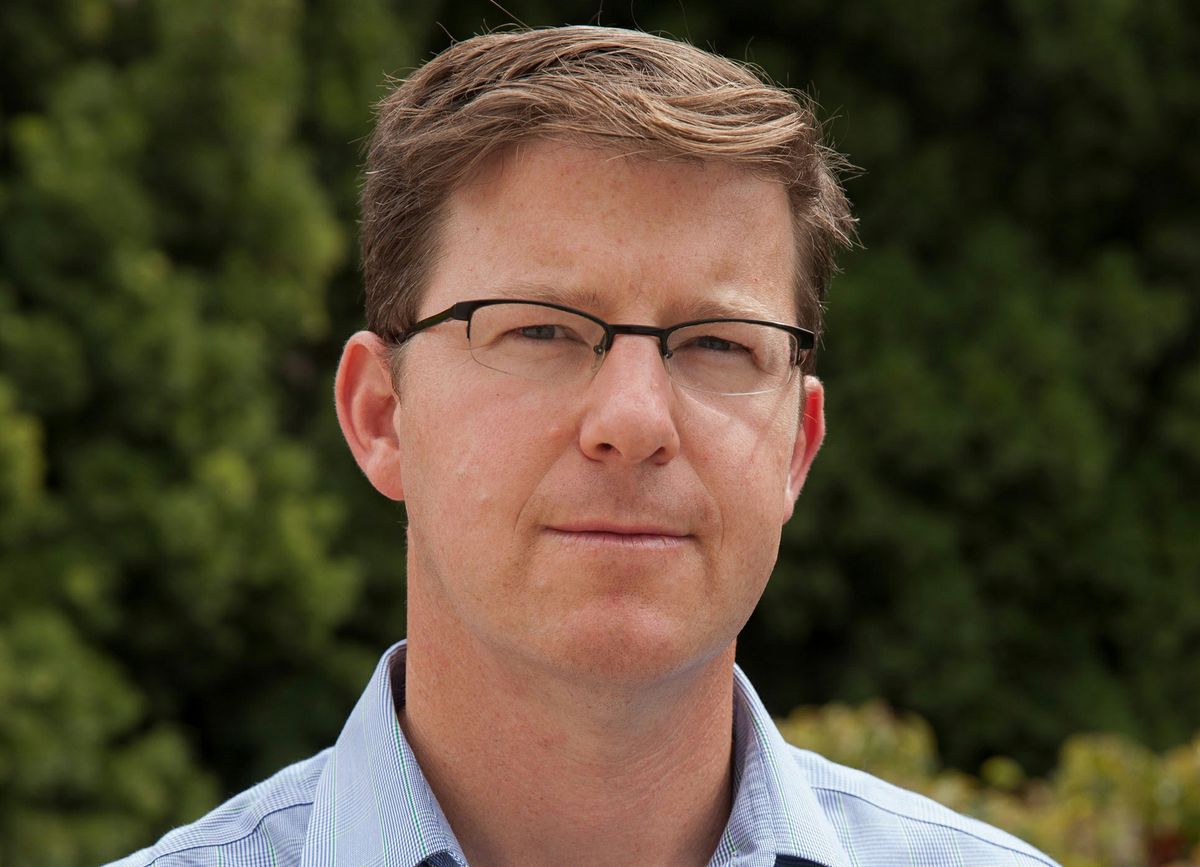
[{"x": 551, "y": 345}]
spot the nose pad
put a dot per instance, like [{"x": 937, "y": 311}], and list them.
[{"x": 599, "y": 353}]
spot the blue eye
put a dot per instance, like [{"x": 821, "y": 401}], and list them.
[
  {"x": 539, "y": 332},
  {"x": 715, "y": 344}
]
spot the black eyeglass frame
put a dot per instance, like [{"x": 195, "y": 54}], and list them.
[{"x": 463, "y": 310}]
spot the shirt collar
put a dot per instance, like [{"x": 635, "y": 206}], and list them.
[
  {"x": 373, "y": 805},
  {"x": 775, "y": 809}
]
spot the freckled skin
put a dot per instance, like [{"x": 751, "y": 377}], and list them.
[{"x": 490, "y": 462}]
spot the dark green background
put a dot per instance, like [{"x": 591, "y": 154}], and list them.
[{"x": 1002, "y": 533}]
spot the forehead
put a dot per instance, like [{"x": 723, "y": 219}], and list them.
[{"x": 614, "y": 232}]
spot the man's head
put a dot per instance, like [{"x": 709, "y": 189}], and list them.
[
  {"x": 631, "y": 92},
  {"x": 618, "y": 526}
]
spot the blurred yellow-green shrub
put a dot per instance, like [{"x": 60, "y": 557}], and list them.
[{"x": 1107, "y": 803}]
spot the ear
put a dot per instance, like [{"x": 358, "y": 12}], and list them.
[
  {"x": 366, "y": 405},
  {"x": 808, "y": 440}
]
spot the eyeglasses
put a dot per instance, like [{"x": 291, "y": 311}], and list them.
[{"x": 552, "y": 343}]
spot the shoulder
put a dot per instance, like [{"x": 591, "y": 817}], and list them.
[
  {"x": 265, "y": 824},
  {"x": 873, "y": 817}
]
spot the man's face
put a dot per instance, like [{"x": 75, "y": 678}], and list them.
[{"x": 619, "y": 527}]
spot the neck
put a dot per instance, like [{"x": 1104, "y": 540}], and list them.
[{"x": 537, "y": 770}]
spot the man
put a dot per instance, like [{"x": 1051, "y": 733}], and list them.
[{"x": 594, "y": 262}]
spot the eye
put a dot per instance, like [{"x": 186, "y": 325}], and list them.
[
  {"x": 538, "y": 332},
  {"x": 713, "y": 343},
  {"x": 544, "y": 333}
]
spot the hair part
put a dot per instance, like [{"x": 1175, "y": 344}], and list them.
[{"x": 639, "y": 94}]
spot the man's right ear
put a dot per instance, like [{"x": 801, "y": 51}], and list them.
[{"x": 366, "y": 408}]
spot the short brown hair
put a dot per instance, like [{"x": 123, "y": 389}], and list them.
[{"x": 644, "y": 94}]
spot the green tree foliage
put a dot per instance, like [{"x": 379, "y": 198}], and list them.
[
  {"x": 195, "y": 580},
  {"x": 1107, "y": 803},
  {"x": 171, "y": 587}
]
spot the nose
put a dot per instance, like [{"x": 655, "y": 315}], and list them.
[{"x": 630, "y": 408}]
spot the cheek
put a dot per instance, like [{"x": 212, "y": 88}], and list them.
[
  {"x": 745, "y": 464},
  {"x": 480, "y": 460}
]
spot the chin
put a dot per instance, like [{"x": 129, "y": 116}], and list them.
[{"x": 633, "y": 651}]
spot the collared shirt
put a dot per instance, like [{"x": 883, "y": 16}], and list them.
[{"x": 365, "y": 803}]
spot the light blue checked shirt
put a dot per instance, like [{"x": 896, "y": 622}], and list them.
[{"x": 365, "y": 803}]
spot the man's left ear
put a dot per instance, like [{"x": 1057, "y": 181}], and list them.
[{"x": 808, "y": 440}]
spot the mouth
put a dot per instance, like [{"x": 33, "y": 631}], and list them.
[{"x": 623, "y": 536}]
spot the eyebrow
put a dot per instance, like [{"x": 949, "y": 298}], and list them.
[
  {"x": 739, "y": 305},
  {"x": 584, "y": 299}
]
